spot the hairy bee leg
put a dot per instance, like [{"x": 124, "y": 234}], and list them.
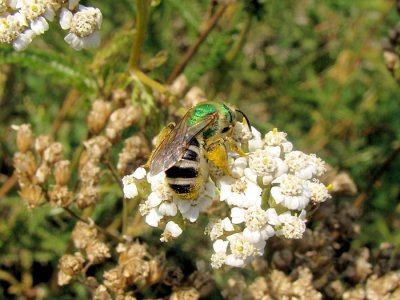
[
  {"x": 235, "y": 148},
  {"x": 163, "y": 133},
  {"x": 219, "y": 156}
]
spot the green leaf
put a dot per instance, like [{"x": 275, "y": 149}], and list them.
[{"x": 49, "y": 63}]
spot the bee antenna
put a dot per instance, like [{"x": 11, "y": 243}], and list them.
[{"x": 245, "y": 117}]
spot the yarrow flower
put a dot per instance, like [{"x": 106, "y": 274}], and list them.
[
  {"x": 268, "y": 193},
  {"x": 22, "y": 20}
]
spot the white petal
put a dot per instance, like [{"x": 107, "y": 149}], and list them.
[
  {"x": 183, "y": 205},
  {"x": 192, "y": 214},
  {"x": 233, "y": 261},
  {"x": 130, "y": 191},
  {"x": 237, "y": 215},
  {"x": 153, "y": 200},
  {"x": 250, "y": 174},
  {"x": 252, "y": 236},
  {"x": 92, "y": 41},
  {"x": 227, "y": 224},
  {"x": 173, "y": 228},
  {"x": 23, "y": 40},
  {"x": 139, "y": 173},
  {"x": 72, "y": 4},
  {"x": 39, "y": 25},
  {"x": 276, "y": 194},
  {"x": 74, "y": 41},
  {"x": 49, "y": 14},
  {"x": 167, "y": 209},
  {"x": 65, "y": 18},
  {"x": 220, "y": 246},
  {"x": 153, "y": 218}
]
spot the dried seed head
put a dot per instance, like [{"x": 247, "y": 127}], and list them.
[
  {"x": 135, "y": 153},
  {"x": 42, "y": 142},
  {"x": 120, "y": 97},
  {"x": 185, "y": 294},
  {"x": 42, "y": 173},
  {"x": 71, "y": 264},
  {"x": 61, "y": 196},
  {"x": 24, "y": 136},
  {"x": 156, "y": 270},
  {"x": 179, "y": 86},
  {"x": 132, "y": 263},
  {"x": 202, "y": 282},
  {"x": 97, "y": 147},
  {"x": 98, "y": 116},
  {"x": 97, "y": 251},
  {"x": 89, "y": 173},
  {"x": 195, "y": 96},
  {"x": 114, "y": 280},
  {"x": 121, "y": 119},
  {"x": 173, "y": 276},
  {"x": 24, "y": 164},
  {"x": 53, "y": 153},
  {"x": 101, "y": 293},
  {"x": 32, "y": 194},
  {"x": 62, "y": 172},
  {"x": 87, "y": 196},
  {"x": 82, "y": 234}
]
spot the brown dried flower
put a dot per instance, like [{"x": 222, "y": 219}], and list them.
[
  {"x": 101, "y": 293},
  {"x": 24, "y": 136},
  {"x": 24, "y": 164},
  {"x": 42, "y": 142},
  {"x": 114, "y": 280},
  {"x": 42, "y": 173},
  {"x": 97, "y": 251},
  {"x": 98, "y": 116},
  {"x": 188, "y": 293},
  {"x": 53, "y": 153},
  {"x": 61, "y": 196},
  {"x": 132, "y": 263},
  {"x": 121, "y": 119},
  {"x": 87, "y": 196},
  {"x": 82, "y": 234},
  {"x": 32, "y": 194},
  {"x": 195, "y": 96},
  {"x": 178, "y": 87},
  {"x": 135, "y": 153},
  {"x": 62, "y": 172},
  {"x": 69, "y": 265}
]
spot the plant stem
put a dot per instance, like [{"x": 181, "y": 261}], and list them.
[
  {"x": 114, "y": 173},
  {"x": 141, "y": 22},
  {"x": 154, "y": 85},
  {"x": 193, "y": 49},
  {"x": 105, "y": 232}
]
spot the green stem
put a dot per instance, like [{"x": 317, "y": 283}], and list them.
[
  {"x": 141, "y": 22},
  {"x": 151, "y": 83}
]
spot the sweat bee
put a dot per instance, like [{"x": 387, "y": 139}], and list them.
[{"x": 205, "y": 128}]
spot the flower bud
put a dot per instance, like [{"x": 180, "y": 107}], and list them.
[
  {"x": 61, "y": 196},
  {"x": 97, "y": 251},
  {"x": 42, "y": 173},
  {"x": 24, "y": 137},
  {"x": 82, "y": 234},
  {"x": 41, "y": 143},
  {"x": 98, "y": 116},
  {"x": 32, "y": 195},
  {"x": 62, "y": 172},
  {"x": 114, "y": 280},
  {"x": 69, "y": 266},
  {"x": 24, "y": 164},
  {"x": 53, "y": 153}
]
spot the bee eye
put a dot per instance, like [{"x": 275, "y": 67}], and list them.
[{"x": 225, "y": 129}]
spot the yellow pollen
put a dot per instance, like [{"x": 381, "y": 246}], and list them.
[
  {"x": 275, "y": 130},
  {"x": 329, "y": 186},
  {"x": 34, "y": 8}
]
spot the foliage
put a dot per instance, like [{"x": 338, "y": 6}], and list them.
[{"x": 314, "y": 69}]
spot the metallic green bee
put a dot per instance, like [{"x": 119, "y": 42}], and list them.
[{"x": 207, "y": 126}]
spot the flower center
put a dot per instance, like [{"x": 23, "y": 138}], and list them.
[
  {"x": 255, "y": 218},
  {"x": 239, "y": 187}
]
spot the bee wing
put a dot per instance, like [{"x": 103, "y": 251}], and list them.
[{"x": 173, "y": 146}]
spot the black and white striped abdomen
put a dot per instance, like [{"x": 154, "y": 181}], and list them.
[{"x": 183, "y": 177}]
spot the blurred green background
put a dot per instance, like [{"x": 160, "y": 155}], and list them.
[{"x": 313, "y": 69}]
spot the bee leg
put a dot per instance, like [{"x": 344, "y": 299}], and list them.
[
  {"x": 234, "y": 148},
  {"x": 218, "y": 155}
]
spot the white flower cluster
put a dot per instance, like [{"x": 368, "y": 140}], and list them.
[
  {"x": 22, "y": 20},
  {"x": 268, "y": 193}
]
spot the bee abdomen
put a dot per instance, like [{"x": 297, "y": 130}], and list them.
[{"x": 183, "y": 177}]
